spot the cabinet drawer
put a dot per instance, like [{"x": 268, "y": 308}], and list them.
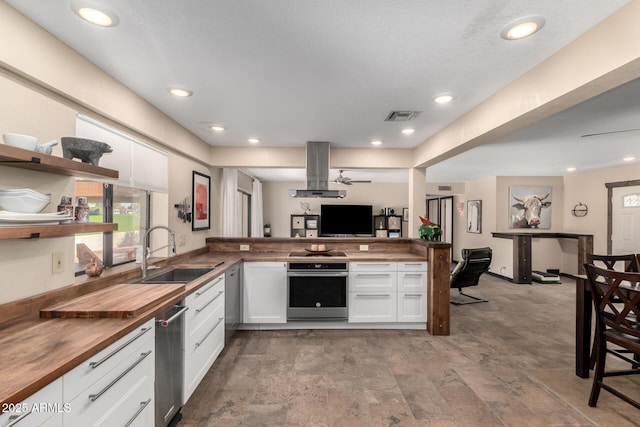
[
  {"x": 363, "y": 281},
  {"x": 30, "y": 412},
  {"x": 101, "y": 364},
  {"x": 372, "y": 307},
  {"x": 202, "y": 347},
  {"x": 412, "y": 281},
  {"x": 115, "y": 398},
  {"x": 412, "y": 266},
  {"x": 204, "y": 301},
  {"x": 412, "y": 306},
  {"x": 373, "y": 266}
]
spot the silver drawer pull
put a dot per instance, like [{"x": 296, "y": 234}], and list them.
[
  {"x": 15, "y": 419},
  {"x": 110, "y": 355},
  {"x": 374, "y": 274},
  {"x": 209, "y": 287},
  {"x": 412, "y": 274},
  {"x": 412, "y": 295},
  {"x": 220, "y": 319},
  {"x": 138, "y": 412},
  {"x": 165, "y": 323},
  {"x": 94, "y": 397},
  {"x": 373, "y": 295},
  {"x": 198, "y": 310}
]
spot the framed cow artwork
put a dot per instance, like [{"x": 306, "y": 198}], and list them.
[{"x": 530, "y": 206}]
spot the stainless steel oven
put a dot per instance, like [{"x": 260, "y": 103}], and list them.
[{"x": 317, "y": 290}]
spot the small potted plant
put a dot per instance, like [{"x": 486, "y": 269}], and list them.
[{"x": 429, "y": 230}]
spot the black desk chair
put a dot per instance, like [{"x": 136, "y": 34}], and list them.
[
  {"x": 616, "y": 299},
  {"x": 468, "y": 271}
]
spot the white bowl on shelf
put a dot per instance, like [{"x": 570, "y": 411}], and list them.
[
  {"x": 26, "y": 142},
  {"x": 26, "y": 192},
  {"x": 23, "y": 203}
]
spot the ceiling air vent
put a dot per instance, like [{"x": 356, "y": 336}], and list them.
[
  {"x": 444, "y": 188},
  {"x": 401, "y": 116}
]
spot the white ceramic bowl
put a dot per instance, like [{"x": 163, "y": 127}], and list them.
[
  {"x": 26, "y": 192},
  {"x": 25, "y": 203},
  {"x": 21, "y": 141}
]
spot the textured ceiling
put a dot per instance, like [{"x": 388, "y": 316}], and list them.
[{"x": 291, "y": 71}]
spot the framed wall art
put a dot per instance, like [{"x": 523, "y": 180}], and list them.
[
  {"x": 201, "y": 214},
  {"x": 474, "y": 216},
  {"x": 530, "y": 206}
]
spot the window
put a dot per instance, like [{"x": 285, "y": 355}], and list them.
[
  {"x": 128, "y": 207},
  {"x": 631, "y": 201}
]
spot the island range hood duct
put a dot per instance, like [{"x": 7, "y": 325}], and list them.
[{"x": 318, "y": 173}]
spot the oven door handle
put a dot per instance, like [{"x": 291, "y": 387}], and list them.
[{"x": 318, "y": 274}]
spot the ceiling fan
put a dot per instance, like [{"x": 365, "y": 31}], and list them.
[{"x": 346, "y": 180}]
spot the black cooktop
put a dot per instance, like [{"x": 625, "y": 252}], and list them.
[{"x": 322, "y": 254}]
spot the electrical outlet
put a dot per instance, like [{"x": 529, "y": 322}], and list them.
[
  {"x": 244, "y": 247},
  {"x": 364, "y": 248},
  {"x": 57, "y": 262},
  {"x": 182, "y": 240}
]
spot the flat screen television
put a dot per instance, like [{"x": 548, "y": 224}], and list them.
[{"x": 346, "y": 220}]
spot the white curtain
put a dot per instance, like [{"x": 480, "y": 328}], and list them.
[
  {"x": 231, "y": 226},
  {"x": 257, "y": 222}
]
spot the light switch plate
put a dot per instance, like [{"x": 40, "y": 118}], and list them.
[
  {"x": 364, "y": 248},
  {"x": 244, "y": 247},
  {"x": 57, "y": 262}
]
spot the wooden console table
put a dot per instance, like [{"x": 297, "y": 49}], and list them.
[{"x": 522, "y": 250}]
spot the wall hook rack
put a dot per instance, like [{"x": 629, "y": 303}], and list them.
[{"x": 184, "y": 210}]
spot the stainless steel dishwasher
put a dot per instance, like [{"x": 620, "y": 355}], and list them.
[{"x": 169, "y": 361}]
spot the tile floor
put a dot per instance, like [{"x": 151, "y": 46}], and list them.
[{"x": 508, "y": 362}]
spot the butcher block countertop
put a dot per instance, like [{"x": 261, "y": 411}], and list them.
[{"x": 36, "y": 351}]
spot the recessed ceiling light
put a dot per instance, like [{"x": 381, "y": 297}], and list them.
[
  {"x": 629, "y": 158},
  {"x": 217, "y": 128},
  {"x": 408, "y": 131},
  {"x": 443, "y": 98},
  {"x": 571, "y": 169},
  {"x": 253, "y": 140},
  {"x": 181, "y": 92},
  {"x": 94, "y": 13},
  {"x": 376, "y": 142},
  {"x": 522, "y": 27}
]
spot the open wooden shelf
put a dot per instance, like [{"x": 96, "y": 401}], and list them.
[
  {"x": 43, "y": 231},
  {"x": 29, "y": 159}
]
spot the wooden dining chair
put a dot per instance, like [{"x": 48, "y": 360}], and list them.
[
  {"x": 616, "y": 299},
  {"x": 627, "y": 262}
]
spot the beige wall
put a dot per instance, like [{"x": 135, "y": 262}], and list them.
[{"x": 278, "y": 206}]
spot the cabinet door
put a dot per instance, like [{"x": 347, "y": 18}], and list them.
[
  {"x": 372, "y": 307},
  {"x": 409, "y": 281},
  {"x": 265, "y": 292},
  {"x": 412, "y": 306}
]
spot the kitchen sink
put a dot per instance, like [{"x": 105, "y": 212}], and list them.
[{"x": 176, "y": 275}]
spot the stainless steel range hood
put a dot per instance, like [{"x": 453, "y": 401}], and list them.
[{"x": 318, "y": 173}]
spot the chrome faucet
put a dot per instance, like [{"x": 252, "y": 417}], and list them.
[{"x": 145, "y": 243}]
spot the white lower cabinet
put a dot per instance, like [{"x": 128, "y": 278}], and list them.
[
  {"x": 412, "y": 291},
  {"x": 412, "y": 307},
  {"x": 372, "y": 307},
  {"x": 43, "y": 408},
  {"x": 265, "y": 292},
  {"x": 372, "y": 292},
  {"x": 204, "y": 332},
  {"x": 116, "y": 386}
]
